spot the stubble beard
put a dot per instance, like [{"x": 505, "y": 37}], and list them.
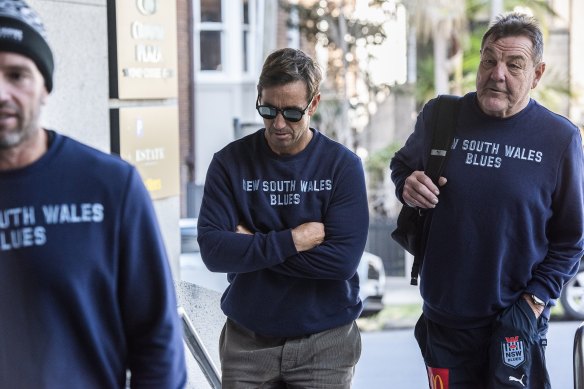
[{"x": 16, "y": 137}]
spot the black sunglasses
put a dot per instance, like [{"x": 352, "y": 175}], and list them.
[{"x": 290, "y": 114}]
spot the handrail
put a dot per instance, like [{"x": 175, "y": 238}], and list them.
[
  {"x": 579, "y": 358},
  {"x": 198, "y": 350}
]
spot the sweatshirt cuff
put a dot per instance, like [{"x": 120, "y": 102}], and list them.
[
  {"x": 287, "y": 246},
  {"x": 539, "y": 291}
]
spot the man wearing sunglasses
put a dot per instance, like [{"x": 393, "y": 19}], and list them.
[{"x": 285, "y": 214}]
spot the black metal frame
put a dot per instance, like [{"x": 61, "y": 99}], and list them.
[{"x": 579, "y": 358}]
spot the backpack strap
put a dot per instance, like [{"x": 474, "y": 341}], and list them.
[{"x": 444, "y": 117}]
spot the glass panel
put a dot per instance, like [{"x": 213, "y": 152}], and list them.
[
  {"x": 245, "y": 50},
  {"x": 246, "y": 12},
  {"x": 246, "y": 35},
  {"x": 210, "y": 50},
  {"x": 211, "y": 11}
]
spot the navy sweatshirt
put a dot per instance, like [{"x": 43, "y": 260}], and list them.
[
  {"x": 509, "y": 220},
  {"x": 274, "y": 290},
  {"x": 85, "y": 288}
]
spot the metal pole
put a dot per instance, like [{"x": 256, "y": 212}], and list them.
[
  {"x": 579, "y": 358},
  {"x": 197, "y": 348}
]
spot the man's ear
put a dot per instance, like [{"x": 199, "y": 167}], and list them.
[
  {"x": 314, "y": 105},
  {"x": 539, "y": 69}
]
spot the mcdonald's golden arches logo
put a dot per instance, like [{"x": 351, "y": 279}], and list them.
[{"x": 438, "y": 378}]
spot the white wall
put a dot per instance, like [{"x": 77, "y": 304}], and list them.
[
  {"x": 78, "y": 105},
  {"x": 216, "y": 105}
]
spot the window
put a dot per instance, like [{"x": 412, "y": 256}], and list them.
[
  {"x": 211, "y": 35},
  {"x": 211, "y": 11},
  {"x": 210, "y": 50},
  {"x": 224, "y": 38}
]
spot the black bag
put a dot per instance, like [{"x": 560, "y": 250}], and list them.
[
  {"x": 411, "y": 231},
  {"x": 409, "y": 224}
]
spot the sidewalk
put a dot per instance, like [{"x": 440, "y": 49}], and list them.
[{"x": 398, "y": 291}]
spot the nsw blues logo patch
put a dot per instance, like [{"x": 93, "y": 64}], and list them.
[{"x": 513, "y": 351}]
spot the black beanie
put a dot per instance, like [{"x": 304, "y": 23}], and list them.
[{"x": 22, "y": 32}]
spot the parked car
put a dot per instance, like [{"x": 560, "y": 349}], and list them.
[
  {"x": 371, "y": 283},
  {"x": 572, "y": 297},
  {"x": 193, "y": 270}
]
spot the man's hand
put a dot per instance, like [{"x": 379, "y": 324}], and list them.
[
  {"x": 420, "y": 191},
  {"x": 308, "y": 235},
  {"x": 240, "y": 229},
  {"x": 537, "y": 309}
]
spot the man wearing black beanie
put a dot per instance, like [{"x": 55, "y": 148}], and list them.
[
  {"x": 86, "y": 292},
  {"x": 21, "y": 31}
]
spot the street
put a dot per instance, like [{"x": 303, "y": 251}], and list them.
[{"x": 391, "y": 359}]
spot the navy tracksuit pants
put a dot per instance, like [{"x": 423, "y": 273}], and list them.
[{"x": 509, "y": 353}]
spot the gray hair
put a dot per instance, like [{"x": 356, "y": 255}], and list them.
[{"x": 517, "y": 24}]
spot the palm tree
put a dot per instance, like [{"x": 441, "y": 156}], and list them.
[
  {"x": 333, "y": 25},
  {"x": 443, "y": 22},
  {"x": 454, "y": 29}
]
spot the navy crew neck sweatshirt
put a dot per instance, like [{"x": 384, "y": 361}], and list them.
[
  {"x": 274, "y": 290},
  {"x": 509, "y": 220}
]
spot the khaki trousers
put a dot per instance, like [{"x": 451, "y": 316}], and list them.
[{"x": 323, "y": 360}]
